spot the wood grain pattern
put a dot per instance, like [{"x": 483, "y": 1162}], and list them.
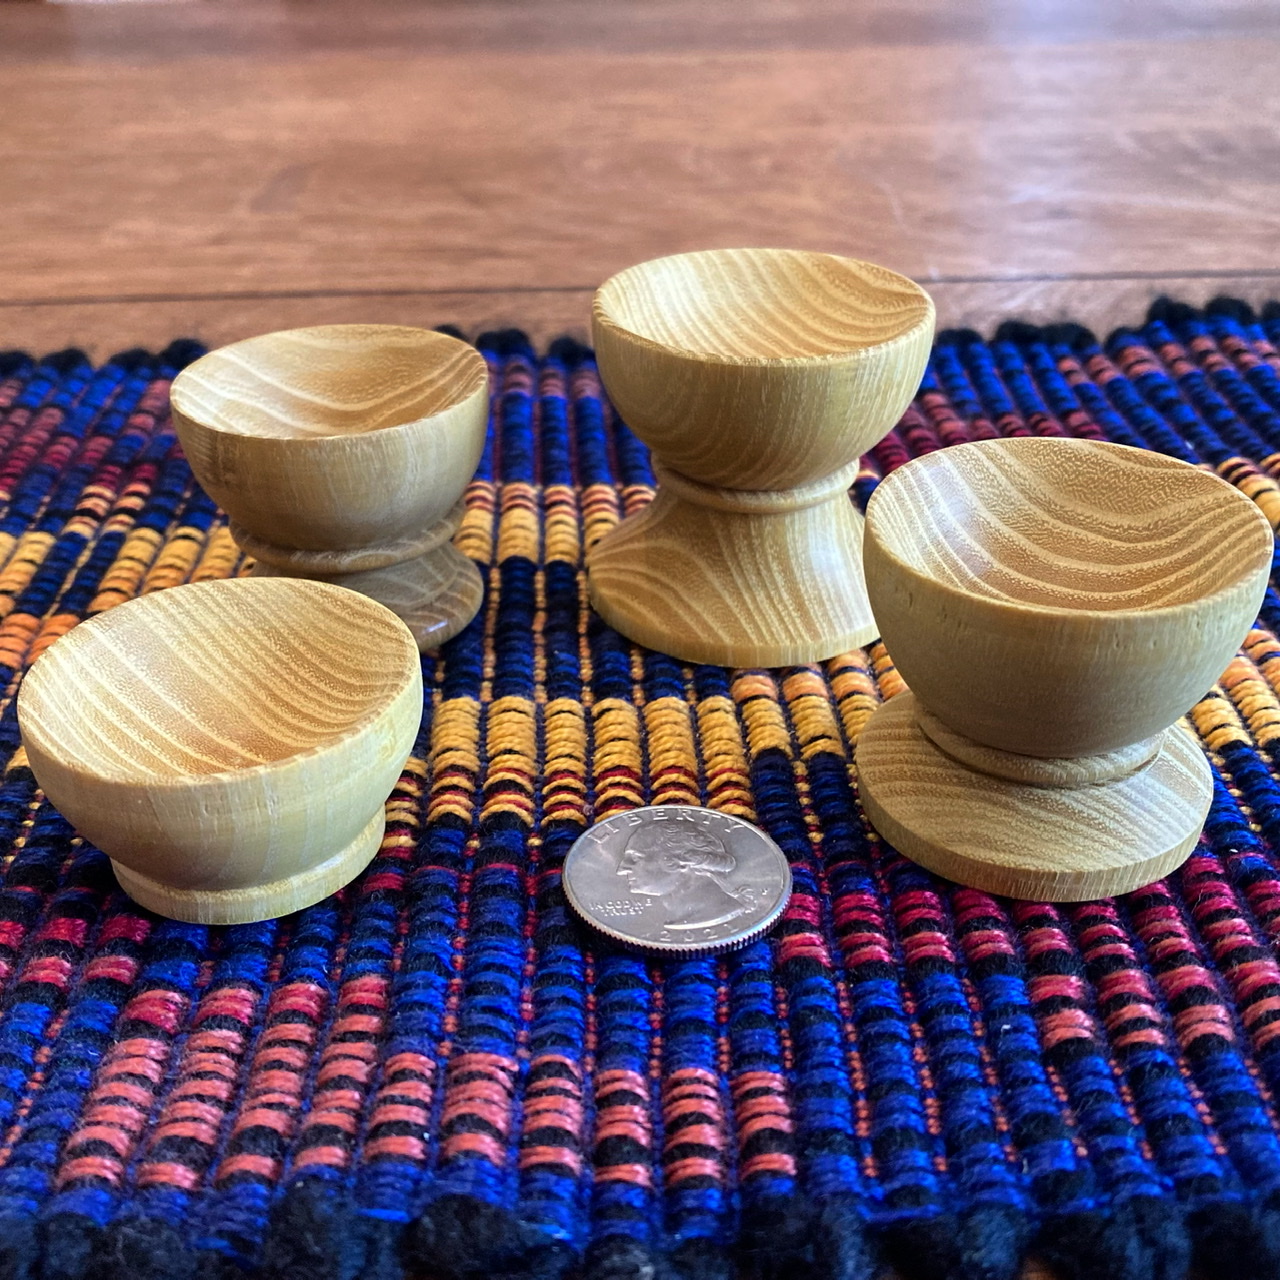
[
  {"x": 229, "y": 744},
  {"x": 758, "y": 377},
  {"x": 343, "y": 450},
  {"x": 306, "y": 176},
  {"x": 1055, "y": 605},
  {"x": 1061, "y": 597},
  {"x": 1047, "y": 844}
]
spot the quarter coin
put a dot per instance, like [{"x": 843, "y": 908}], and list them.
[{"x": 677, "y": 879}]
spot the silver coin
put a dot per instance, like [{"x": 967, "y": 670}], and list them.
[{"x": 677, "y": 879}]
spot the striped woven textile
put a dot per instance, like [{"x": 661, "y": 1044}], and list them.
[{"x": 437, "y": 1073}]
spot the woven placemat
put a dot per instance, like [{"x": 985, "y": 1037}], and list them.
[{"x": 436, "y": 1072}]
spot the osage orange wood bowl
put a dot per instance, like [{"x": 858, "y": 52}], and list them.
[
  {"x": 341, "y": 453},
  {"x": 229, "y": 745},
  {"x": 758, "y": 377},
  {"x": 1055, "y": 606}
]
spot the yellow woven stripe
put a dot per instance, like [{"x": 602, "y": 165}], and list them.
[
  {"x": 756, "y": 694},
  {"x": 455, "y": 758},
  {"x": 51, "y": 629},
  {"x": 1253, "y": 698},
  {"x": 564, "y": 787},
  {"x": 94, "y": 503},
  {"x": 854, "y": 687},
  {"x": 511, "y": 739},
  {"x": 1263, "y": 650},
  {"x": 474, "y": 537},
  {"x": 17, "y": 632},
  {"x": 812, "y": 714},
  {"x": 8, "y": 541},
  {"x": 1254, "y": 484},
  {"x": 406, "y": 801},
  {"x": 886, "y": 673},
  {"x": 635, "y": 497},
  {"x": 27, "y": 557},
  {"x": 617, "y": 763},
  {"x": 562, "y": 536},
  {"x": 405, "y": 805},
  {"x": 599, "y": 512},
  {"x": 1217, "y": 722},
  {"x": 219, "y": 557},
  {"x": 724, "y": 757},
  {"x": 673, "y": 756},
  {"x": 177, "y": 558},
  {"x": 121, "y": 581},
  {"x": 518, "y": 532}
]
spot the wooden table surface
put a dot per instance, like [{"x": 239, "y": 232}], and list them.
[{"x": 221, "y": 169}]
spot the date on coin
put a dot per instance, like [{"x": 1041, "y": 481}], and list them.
[{"x": 677, "y": 879}]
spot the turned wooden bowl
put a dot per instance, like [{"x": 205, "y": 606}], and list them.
[
  {"x": 760, "y": 368},
  {"x": 335, "y": 437},
  {"x": 1054, "y": 606},
  {"x": 230, "y": 744},
  {"x": 1061, "y": 598}
]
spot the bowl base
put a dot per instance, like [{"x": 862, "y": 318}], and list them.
[
  {"x": 256, "y": 902},
  {"x": 1057, "y": 843},
  {"x": 435, "y": 596},
  {"x": 737, "y": 579},
  {"x": 424, "y": 580}
]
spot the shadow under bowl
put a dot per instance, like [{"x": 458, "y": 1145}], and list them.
[
  {"x": 335, "y": 436},
  {"x": 226, "y": 738},
  {"x": 1058, "y": 597},
  {"x": 760, "y": 368}
]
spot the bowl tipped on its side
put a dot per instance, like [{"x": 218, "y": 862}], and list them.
[
  {"x": 215, "y": 678},
  {"x": 230, "y": 743}
]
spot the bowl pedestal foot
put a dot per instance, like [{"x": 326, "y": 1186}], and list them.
[
  {"x": 1045, "y": 830},
  {"x": 425, "y": 580},
  {"x": 245, "y": 904},
  {"x": 737, "y": 578}
]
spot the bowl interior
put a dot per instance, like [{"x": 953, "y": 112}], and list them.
[
  {"x": 332, "y": 380},
  {"x": 762, "y": 304},
  {"x": 1069, "y": 524},
  {"x": 214, "y": 677}
]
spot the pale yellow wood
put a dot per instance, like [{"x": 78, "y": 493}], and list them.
[
  {"x": 758, "y": 377},
  {"x": 228, "y": 744},
  {"x": 1049, "y": 844},
  {"x": 1054, "y": 605},
  {"x": 340, "y": 453}
]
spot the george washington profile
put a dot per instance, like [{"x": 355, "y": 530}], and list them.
[{"x": 690, "y": 870}]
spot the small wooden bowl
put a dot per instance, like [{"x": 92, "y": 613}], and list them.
[
  {"x": 341, "y": 454},
  {"x": 758, "y": 377},
  {"x": 1054, "y": 605},
  {"x": 230, "y": 744},
  {"x": 760, "y": 368}
]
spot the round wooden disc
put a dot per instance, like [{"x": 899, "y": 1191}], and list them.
[
  {"x": 1048, "y": 844},
  {"x": 257, "y": 902},
  {"x": 436, "y": 595}
]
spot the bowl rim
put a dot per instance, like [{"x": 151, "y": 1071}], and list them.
[
  {"x": 1239, "y": 578},
  {"x": 853, "y": 355},
  {"x": 480, "y": 391},
  {"x": 241, "y": 775}
]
